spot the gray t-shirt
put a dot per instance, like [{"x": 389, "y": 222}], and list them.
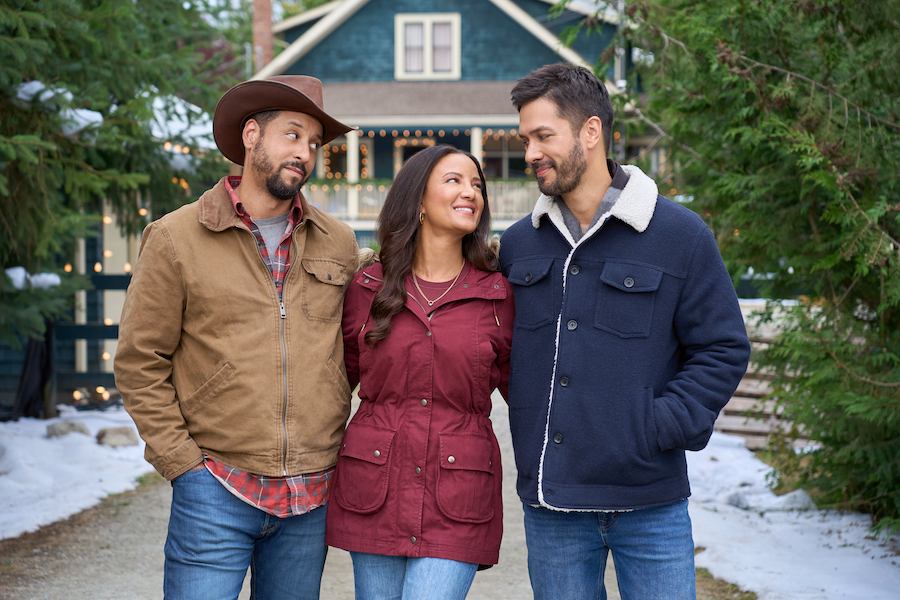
[
  {"x": 272, "y": 230},
  {"x": 619, "y": 179}
]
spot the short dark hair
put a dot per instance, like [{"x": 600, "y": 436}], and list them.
[
  {"x": 263, "y": 118},
  {"x": 577, "y": 93}
]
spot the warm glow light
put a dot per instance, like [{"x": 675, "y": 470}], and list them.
[
  {"x": 127, "y": 267},
  {"x": 105, "y": 356},
  {"x": 105, "y": 395},
  {"x": 107, "y": 321},
  {"x": 100, "y": 389},
  {"x": 673, "y": 191},
  {"x": 98, "y": 267},
  {"x": 107, "y": 220},
  {"x": 143, "y": 212},
  {"x": 77, "y": 394},
  {"x": 67, "y": 268},
  {"x": 167, "y": 145},
  {"x": 107, "y": 253}
]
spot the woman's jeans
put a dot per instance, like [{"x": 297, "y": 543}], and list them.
[
  {"x": 214, "y": 536},
  {"x": 379, "y": 577},
  {"x": 652, "y": 550}
]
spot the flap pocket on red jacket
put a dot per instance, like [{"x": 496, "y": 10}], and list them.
[
  {"x": 466, "y": 485},
  {"x": 361, "y": 476}
]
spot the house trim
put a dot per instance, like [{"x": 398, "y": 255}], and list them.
[{"x": 339, "y": 13}]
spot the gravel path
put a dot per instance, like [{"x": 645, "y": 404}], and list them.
[{"x": 115, "y": 551}]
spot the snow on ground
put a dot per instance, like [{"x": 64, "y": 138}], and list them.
[
  {"x": 768, "y": 545},
  {"x": 773, "y": 549},
  {"x": 44, "y": 480}
]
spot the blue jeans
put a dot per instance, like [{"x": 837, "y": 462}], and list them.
[
  {"x": 652, "y": 549},
  {"x": 380, "y": 577},
  {"x": 214, "y": 536}
]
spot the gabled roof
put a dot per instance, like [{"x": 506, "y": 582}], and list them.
[{"x": 336, "y": 13}]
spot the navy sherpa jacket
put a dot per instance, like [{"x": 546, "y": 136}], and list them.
[{"x": 627, "y": 345}]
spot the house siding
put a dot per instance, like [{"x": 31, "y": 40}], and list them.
[{"x": 353, "y": 53}]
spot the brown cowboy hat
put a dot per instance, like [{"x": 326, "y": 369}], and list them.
[{"x": 299, "y": 93}]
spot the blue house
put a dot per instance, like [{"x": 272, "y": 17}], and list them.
[
  {"x": 414, "y": 73},
  {"x": 410, "y": 73}
]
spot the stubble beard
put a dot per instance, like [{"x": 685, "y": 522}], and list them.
[
  {"x": 568, "y": 172},
  {"x": 275, "y": 183}
]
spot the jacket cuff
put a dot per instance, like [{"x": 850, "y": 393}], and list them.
[{"x": 186, "y": 457}]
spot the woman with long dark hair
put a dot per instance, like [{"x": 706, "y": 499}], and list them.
[{"x": 427, "y": 331}]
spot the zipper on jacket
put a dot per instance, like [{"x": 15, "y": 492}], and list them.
[{"x": 284, "y": 398}]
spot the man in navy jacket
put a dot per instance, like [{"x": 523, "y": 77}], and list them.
[{"x": 628, "y": 342}]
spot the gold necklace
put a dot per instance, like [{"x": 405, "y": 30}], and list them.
[{"x": 431, "y": 302}]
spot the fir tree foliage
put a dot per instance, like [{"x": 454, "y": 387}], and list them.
[
  {"x": 80, "y": 83},
  {"x": 782, "y": 123}
]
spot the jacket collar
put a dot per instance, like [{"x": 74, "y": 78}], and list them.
[
  {"x": 217, "y": 212},
  {"x": 634, "y": 207}
]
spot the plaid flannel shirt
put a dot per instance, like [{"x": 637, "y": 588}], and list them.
[{"x": 278, "y": 496}]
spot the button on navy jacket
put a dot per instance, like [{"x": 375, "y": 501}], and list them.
[{"x": 627, "y": 344}]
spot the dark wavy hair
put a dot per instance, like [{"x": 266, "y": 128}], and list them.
[{"x": 398, "y": 235}]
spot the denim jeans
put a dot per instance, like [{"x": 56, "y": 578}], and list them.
[
  {"x": 652, "y": 549},
  {"x": 214, "y": 537},
  {"x": 380, "y": 577}
]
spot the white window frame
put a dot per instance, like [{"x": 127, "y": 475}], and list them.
[{"x": 401, "y": 20}]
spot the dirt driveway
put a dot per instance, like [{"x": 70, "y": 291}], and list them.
[{"x": 115, "y": 551}]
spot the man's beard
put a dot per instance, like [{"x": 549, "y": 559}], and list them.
[
  {"x": 568, "y": 173},
  {"x": 275, "y": 183}
]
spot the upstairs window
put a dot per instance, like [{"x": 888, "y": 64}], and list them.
[{"x": 427, "y": 46}]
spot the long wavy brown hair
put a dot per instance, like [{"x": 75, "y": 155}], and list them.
[{"x": 398, "y": 235}]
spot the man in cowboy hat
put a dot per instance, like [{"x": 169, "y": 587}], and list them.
[{"x": 230, "y": 357}]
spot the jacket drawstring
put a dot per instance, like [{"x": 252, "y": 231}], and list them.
[{"x": 494, "y": 308}]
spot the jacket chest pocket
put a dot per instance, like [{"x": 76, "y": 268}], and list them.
[
  {"x": 323, "y": 288},
  {"x": 361, "y": 475},
  {"x": 537, "y": 295},
  {"x": 466, "y": 486},
  {"x": 625, "y": 299}
]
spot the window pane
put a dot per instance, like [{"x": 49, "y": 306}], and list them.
[
  {"x": 443, "y": 48},
  {"x": 414, "y": 48}
]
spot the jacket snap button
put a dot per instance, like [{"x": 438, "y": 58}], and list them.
[
  {"x": 377, "y": 453},
  {"x": 564, "y": 381},
  {"x": 365, "y": 281},
  {"x": 465, "y": 285},
  {"x": 558, "y": 438},
  {"x": 427, "y": 334},
  {"x": 413, "y": 539},
  {"x": 496, "y": 286},
  {"x": 528, "y": 278},
  {"x": 418, "y": 470},
  {"x": 328, "y": 276},
  {"x": 424, "y": 402},
  {"x": 629, "y": 282},
  {"x": 572, "y": 325},
  {"x": 451, "y": 460},
  {"x": 574, "y": 270}
]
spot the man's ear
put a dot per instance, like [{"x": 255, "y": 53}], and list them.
[
  {"x": 592, "y": 133},
  {"x": 250, "y": 134}
]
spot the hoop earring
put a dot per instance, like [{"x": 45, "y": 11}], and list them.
[{"x": 421, "y": 218}]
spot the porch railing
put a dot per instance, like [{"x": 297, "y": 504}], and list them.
[{"x": 509, "y": 200}]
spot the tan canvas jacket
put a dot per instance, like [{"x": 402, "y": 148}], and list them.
[{"x": 208, "y": 360}]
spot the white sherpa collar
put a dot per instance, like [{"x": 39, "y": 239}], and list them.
[{"x": 635, "y": 206}]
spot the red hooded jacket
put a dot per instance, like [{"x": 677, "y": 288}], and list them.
[{"x": 418, "y": 472}]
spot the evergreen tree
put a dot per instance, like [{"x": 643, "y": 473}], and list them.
[
  {"x": 80, "y": 83},
  {"x": 782, "y": 118}
]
